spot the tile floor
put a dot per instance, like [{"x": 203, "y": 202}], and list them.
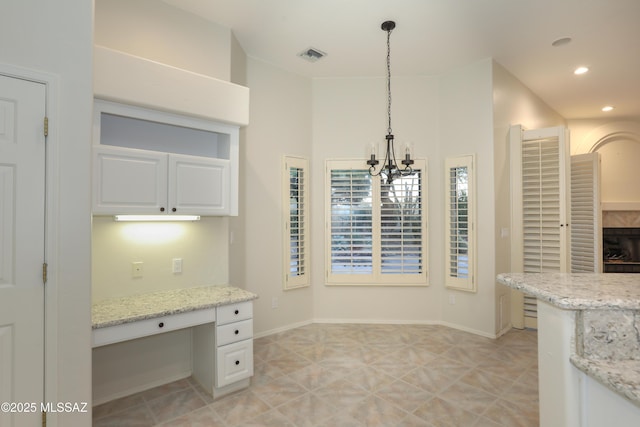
[{"x": 335, "y": 375}]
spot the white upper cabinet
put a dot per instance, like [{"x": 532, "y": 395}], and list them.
[
  {"x": 151, "y": 162},
  {"x": 198, "y": 185},
  {"x": 128, "y": 181}
]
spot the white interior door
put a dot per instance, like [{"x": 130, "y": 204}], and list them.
[{"x": 22, "y": 223}]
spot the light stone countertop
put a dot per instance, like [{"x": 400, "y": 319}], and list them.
[
  {"x": 608, "y": 347},
  {"x": 621, "y": 376},
  {"x": 117, "y": 311},
  {"x": 579, "y": 291}
]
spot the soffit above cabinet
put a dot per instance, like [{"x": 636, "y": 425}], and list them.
[{"x": 130, "y": 79}]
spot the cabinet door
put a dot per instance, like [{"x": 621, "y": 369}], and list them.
[
  {"x": 128, "y": 181},
  {"x": 198, "y": 185}
]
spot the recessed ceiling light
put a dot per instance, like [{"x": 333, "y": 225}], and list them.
[
  {"x": 607, "y": 108},
  {"x": 580, "y": 70},
  {"x": 312, "y": 54},
  {"x": 561, "y": 42}
]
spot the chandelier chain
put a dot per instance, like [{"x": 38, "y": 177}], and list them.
[{"x": 389, "y": 131}]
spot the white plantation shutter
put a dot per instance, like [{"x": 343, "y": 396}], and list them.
[
  {"x": 586, "y": 223},
  {"x": 459, "y": 223},
  {"x": 376, "y": 231},
  {"x": 540, "y": 194},
  {"x": 351, "y": 232},
  {"x": 401, "y": 225},
  {"x": 295, "y": 192},
  {"x": 541, "y": 200}
]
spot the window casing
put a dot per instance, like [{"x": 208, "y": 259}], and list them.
[
  {"x": 376, "y": 232},
  {"x": 295, "y": 203},
  {"x": 460, "y": 230}
]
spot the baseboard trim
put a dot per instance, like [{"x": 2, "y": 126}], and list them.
[
  {"x": 384, "y": 322},
  {"x": 282, "y": 329}
]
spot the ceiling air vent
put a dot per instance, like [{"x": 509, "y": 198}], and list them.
[{"x": 312, "y": 54}]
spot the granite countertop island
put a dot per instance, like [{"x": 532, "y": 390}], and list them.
[
  {"x": 604, "y": 333},
  {"x": 118, "y": 311},
  {"x": 579, "y": 291}
]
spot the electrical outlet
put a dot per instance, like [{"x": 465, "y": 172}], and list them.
[
  {"x": 177, "y": 265},
  {"x": 274, "y": 302},
  {"x": 137, "y": 269},
  {"x": 452, "y": 299}
]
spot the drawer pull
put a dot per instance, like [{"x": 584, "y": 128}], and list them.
[
  {"x": 237, "y": 362},
  {"x": 237, "y": 332},
  {"x": 236, "y": 312},
  {"x": 161, "y": 325}
]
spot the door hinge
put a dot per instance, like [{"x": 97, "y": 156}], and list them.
[
  {"x": 44, "y": 419},
  {"x": 46, "y": 126},
  {"x": 44, "y": 272}
]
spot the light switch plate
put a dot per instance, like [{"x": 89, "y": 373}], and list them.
[{"x": 177, "y": 265}]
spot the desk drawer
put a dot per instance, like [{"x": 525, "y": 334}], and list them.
[
  {"x": 233, "y": 332},
  {"x": 234, "y": 312},
  {"x": 158, "y": 325},
  {"x": 234, "y": 362}
]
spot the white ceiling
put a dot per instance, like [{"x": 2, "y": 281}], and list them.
[{"x": 436, "y": 36}]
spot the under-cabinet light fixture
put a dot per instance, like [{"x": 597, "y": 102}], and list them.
[
  {"x": 580, "y": 70},
  {"x": 143, "y": 218}
]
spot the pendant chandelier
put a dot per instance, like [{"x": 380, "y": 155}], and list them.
[{"x": 389, "y": 170}]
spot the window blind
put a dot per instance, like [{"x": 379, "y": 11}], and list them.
[
  {"x": 458, "y": 222},
  {"x": 460, "y": 197},
  {"x": 296, "y": 208},
  {"x": 401, "y": 225},
  {"x": 351, "y": 222},
  {"x": 296, "y": 221},
  {"x": 376, "y": 231}
]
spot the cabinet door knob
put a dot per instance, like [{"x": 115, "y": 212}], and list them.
[
  {"x": 173, "y": 209},
  {"x": 237, "y": 332},
  {"x": 237, "y": 362},
  {"x": 161, "y": 325},
  {"x": 161, "y": 209},
  {"x": 236, "y": 312}
]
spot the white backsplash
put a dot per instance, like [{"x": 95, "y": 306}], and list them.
[{"x": 203, "y": 247}]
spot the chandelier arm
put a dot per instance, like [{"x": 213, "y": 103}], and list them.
[{"x": 408, "y": 170}]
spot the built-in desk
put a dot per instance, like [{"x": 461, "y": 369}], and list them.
[{"x": 222, "y": 322}]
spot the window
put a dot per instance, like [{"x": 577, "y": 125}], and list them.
[
  {"x": 377, "y": 232},
  {"x": 295, "y": 202},
  {"x": 459, "y": 223}
]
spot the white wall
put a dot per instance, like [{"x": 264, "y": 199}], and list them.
[
  {"x": 280, "y": 124},
  {"x": 56, "y": 38},
  {"x": 201, "y": 245},
  {"x": 155, "y": 30},
  {"x": 618, "y": 142},
  {"x": 513, "y": 103},
  {"x": 466, "y": 116},
  {"x": 348, "y": 115}
]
